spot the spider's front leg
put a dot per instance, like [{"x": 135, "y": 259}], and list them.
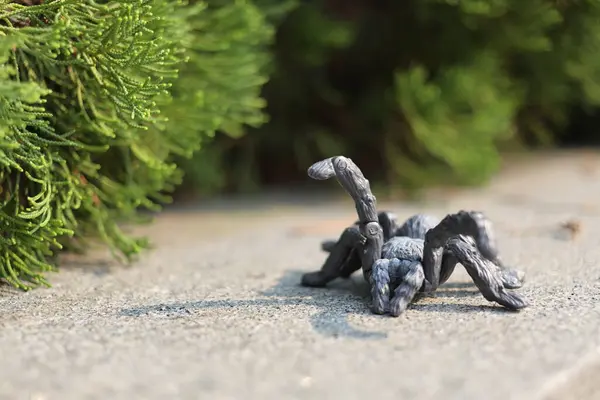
[
  {"x": 484, "y": 273},
  {"x": 350, "y": 261},
  {"x": 404, "y": 277},
  {"x": 511, "y": 278},
  {"x": 439, "y": 263},
  {"x": 485, "y": 240},
  {"x": 461, "y": 235}
]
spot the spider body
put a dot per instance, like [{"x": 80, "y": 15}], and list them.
[{"x": 399, "y": 261}]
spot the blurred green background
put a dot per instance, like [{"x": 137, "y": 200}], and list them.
[
  {"x": 108, "y": 108},
  {"x": 417, "y": 92}
]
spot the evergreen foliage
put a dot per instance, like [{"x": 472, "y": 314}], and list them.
[
  {"x": 231, "y": 37},
  {"x": 239, "y": 31},
  {"x": 94, "y": 114},
  {"x": 421, "y": 91}
]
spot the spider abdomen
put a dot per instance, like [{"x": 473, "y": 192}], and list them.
[
  {"x": 403, "y": 248},
  {"x": 417, "y": 226}
]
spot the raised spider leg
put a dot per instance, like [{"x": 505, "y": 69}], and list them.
[
  {"x": 357, "y": 186},
  {"x": 473, "y": 224},
  {"x": 364, "y": 240},
  {"x": 484, "y": 273}
]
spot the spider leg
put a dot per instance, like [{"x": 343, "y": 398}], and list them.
[
  {"x": 407, "y": 277},
  {"x": 485, "y": 274},
  {"x": 328, "y": 245},
  {"x": 358, "y": 187},
  {"x": 473, "y": 224},
  {"x": 389, "y": 225},
  {"x": 449, "y": 262},
  {"x": 380, "y": 286},
  {"x": 341, "y": 261},
  {"x": 404, "y": 277},
  {"x": 351, "y": 265},
  {"x": 511, "y": 278},
  {"x": 488, "y": 247}
]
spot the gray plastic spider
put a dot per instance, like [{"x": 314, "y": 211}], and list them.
[{"x": 418, "y": 256}]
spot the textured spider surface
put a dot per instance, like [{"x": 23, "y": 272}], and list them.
[{"x": 401, "y": 260}]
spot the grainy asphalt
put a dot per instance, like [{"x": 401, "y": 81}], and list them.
[{"x": 215, "y": 310}]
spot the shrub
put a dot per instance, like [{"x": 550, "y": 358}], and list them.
[
  {"x": 95, "y": 114},
  {"x": 421, "y": 92}
]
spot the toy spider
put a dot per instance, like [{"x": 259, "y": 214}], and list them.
[{"x": 418, "y": 256}]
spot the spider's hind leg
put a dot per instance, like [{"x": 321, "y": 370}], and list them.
[
  {"x": 342, "y": 260},
  {"x": 328, "y": 245}
]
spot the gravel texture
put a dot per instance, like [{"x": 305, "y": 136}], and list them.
[{"x": 215, "y": 310}]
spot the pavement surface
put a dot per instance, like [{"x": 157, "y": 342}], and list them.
[{"x": 215, "y": 311}]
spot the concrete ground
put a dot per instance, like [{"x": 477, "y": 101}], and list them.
[{"x": 215, "y": 311}]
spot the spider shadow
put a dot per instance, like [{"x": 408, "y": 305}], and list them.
[
  {"x": 341, "y": 298},
  {"x": 455, "y": 290},
  {"x": 456, "y": 308},
  {"x": 354, "y": 294},
  {"x": 336, "y": 302}
]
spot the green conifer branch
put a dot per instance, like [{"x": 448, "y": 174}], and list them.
[
  {"x": 79, "y": 86},
  {"x": 88, "y": 124}
]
